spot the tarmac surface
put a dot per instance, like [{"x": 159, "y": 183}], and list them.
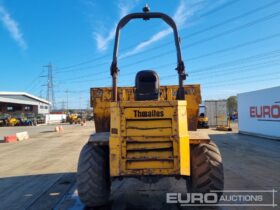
[
  {"x": 40, "y": 173},
  {"x": 32, "y": 130}
]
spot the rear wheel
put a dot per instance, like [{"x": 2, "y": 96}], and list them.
[
  {"x": 93, "y": 179},
  {"x": 206, "y": 168}
]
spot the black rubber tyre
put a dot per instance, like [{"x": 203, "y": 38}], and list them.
[
  {"x": 206, "y": 168},
  {"x": 93, "y": 179}
]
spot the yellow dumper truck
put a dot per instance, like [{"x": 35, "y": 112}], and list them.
[{"x": 147, "y": 130}]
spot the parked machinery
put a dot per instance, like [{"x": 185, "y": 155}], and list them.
[
  {"x": 40, "y": 119},
  {"x": 25, "y": 119},
  {"x": 13, "y": 120},
  {"x": 21, "y": 119},
  {"x": 4, "y": 119},
  {"x": 30, "y": 119},
  {"x": 202, "y": 118},
  {"x": 74, "y": 119}
]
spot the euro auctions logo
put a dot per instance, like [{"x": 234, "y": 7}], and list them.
[
  {"x": 265, "y": 112},
  {"x": 192, "y": 198},
  {"x": 236, "y": 198}
]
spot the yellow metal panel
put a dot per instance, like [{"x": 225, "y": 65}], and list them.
[
  {"x": 148, "y": 145},
  {"x": 152, "y": 154},
  {"x": 152, "y": 164},
  {"x": 184, "y": 156},
  {"x": 158, "y": 123},
  {"x": 161, "y": 127},
  {"x": 101, "y": 98},
  {"x": 181, "y": 118},
  {"x": 147, "y": 104},
  {"x": 184, "y": 149},
  {"x": 149, "y": 132},
  {"x": 147, "y": 111},
  {"x": 115, "y": 156},
  {"x": 115, "y": 119},
  {"x": 115, "y": 141},
  {"x": 147, "y": 138},
  {"x": 140, "y": 146}
]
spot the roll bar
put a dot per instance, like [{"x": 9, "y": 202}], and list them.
[{"x": 146, "y": 15}]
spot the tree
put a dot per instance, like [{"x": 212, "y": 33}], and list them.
[{"x": 232, "y": 104}]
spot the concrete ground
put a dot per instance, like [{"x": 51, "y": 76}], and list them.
[
  {"x": 32, "y": 130},
  {"x": 40, "y": 173},
  {"x": 36, "y": 173}
]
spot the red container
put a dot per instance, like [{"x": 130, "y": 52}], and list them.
[{"x": 9, "y": 139}]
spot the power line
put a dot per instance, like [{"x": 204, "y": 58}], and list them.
[
  {"x": 266, "y": 18},
  {"x": 228, "y": 64},
  {"x": 243, "y": 26},
  {"x": 229, "y": 70},
  {"x": 225, "y": 22},
  {"x": 187, "y": 36},
  {"x": 239, "y": 71},
  {"x": 130, "y": 47},
  {"x": 212, "y": 11},
  {"x": 235, "y": 81},
  {"x": 34, "y": 82},
  {"x": 220, "y": 51},
  {"x": 230, "y": 67},
  {"x": 219, "y": 84},
  {"x": 251, "y": 80},
  {"x": 226, "y": 82},
  {"x": 245, "y": 44},
  {"x": 239, "y": 61},
  {"x": 246, "y": 67},
  {"x": 203, "y": 55},
  {"x": 242, "y": 60}
]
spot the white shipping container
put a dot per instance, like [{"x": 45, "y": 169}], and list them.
[
  {"x": 55, "y": 118},
  {"x": 259, "y": 112},
  {"x": 216, "y": 111}
]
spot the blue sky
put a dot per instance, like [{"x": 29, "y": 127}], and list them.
[{"x": 229, "y": 46}]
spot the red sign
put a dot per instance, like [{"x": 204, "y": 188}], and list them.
[
  {"x": 265, "y": 111},
  {"x": 57, "y": 113}
]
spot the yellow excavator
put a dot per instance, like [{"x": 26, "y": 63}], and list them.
[
  {"x": 12, "y": 121},
  {"x": 74, "y": 119}
]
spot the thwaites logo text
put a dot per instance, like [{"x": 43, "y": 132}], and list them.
[
  {"x": 152, "y": 113},
  {"x": 265, "y": 111}
]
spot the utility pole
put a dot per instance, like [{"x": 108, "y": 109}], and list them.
[
  {"x": 88, "y": 105},
  {"x": 80, "y": 103},
  {"x": 41, "y": 95},
  {"x": 63, "y": 105},
  {"x": 67, "y": 91},
  {"x": 50, "y": 89}
]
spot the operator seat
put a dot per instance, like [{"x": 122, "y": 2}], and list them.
[{"x": 147, "y": 86}]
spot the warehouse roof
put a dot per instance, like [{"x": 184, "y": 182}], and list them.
[{"x": 21, "y": 98}]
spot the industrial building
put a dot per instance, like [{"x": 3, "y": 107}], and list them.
[
  {"x": 21, "y": 102},
  {"x": 259, "y": 112}
]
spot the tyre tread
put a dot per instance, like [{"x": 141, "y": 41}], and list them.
[
  {"x": 206, "y": 168},
  {"x": 93, "y": 181}
]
